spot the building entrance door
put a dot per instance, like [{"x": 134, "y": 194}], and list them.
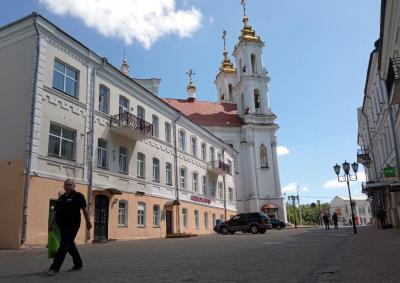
[
  {"x": 101, "y": 218},
  {"x": 168, "y": 220}
]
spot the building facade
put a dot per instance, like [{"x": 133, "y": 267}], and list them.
[
  {"x": 243, "y": 118},
  {"x": 379, "y": 119},
  {"x": 361, "y": 209},
  {"x": 146, "y": 169}
]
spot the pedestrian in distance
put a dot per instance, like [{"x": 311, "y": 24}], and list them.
[
  {"x": 68, "y": 220},
  {"x": 326, "y": 221},
  {"x": 335, "y": 220}
]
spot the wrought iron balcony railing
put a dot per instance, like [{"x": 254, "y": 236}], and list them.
[
  {"x": 128, "y": 120},
  {"x": 363, "y": 156},
  {"x": 219, "y": 166}
]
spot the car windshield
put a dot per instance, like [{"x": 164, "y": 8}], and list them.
[{"x": 264, "y": 215}]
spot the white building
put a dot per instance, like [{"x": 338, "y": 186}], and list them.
[
  {"x": 243, "y": 118},
  {"x": 361, "y": 210}
]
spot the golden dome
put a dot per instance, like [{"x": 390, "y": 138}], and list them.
[
  {"x": 226, "y": 64},
  {"x": 191, "y": 86},
  {"x": 247, "y": 33}
]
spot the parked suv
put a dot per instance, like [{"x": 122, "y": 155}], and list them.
[{"x": 254, "y": 223}]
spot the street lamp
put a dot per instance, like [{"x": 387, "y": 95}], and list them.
[
  {"x": 347, "y": 177},
  {"x": 293, "y": 198}
]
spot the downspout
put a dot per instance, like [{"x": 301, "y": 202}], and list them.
[
  {"x": 91, "y": 143},
  {"x": 28, "y": 161},
  {"x": 176, "y": 172},
  {"x": 223, "y": 179}
]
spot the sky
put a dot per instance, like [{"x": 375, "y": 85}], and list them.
[{"x": 316, "y": 53}]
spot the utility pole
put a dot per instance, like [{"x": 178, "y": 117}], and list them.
[
  {"x": 319, "y": 215},
  {"x": 293, "y": 198},
  {"x": 298, "y": 202}
]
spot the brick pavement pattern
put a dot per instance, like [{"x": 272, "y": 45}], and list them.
[{"x": 302, "y": 255}]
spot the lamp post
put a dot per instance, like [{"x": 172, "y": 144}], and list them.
[
  {"x": 293, "y": 198},
  {"x": 347, "y": 177}
]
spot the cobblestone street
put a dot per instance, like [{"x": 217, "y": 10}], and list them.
[{"x": 303, "y": 255}]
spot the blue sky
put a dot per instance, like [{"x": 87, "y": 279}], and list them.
[{"x": 316, "y": 54}]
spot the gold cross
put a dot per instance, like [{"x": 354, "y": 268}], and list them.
[
  {"x": 224, "y": 38},
  {"x": 243, "y": 3}
]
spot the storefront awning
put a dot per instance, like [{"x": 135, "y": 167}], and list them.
[
  {"x": 374, "y": 187},
  {"x": 268, "y": 206},
  {"x": 112, "y": 191}
]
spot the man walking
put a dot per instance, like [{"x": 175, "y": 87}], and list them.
[
  {"x": 335, "y": 220},
  {"x": 326, "y": 221},
  {"x": 68, "y": 219}
]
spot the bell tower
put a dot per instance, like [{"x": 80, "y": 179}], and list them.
[{"x": 226, "y": 78}]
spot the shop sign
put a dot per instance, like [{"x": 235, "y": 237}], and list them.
[
  {"x": 200, "y": 199},
  {"x": 389, "y": 172}
]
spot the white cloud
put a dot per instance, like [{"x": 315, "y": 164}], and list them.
[
  {"x": 130, "y": 20},
  {"x": 292, "y": 188},
  {"x": 282, "y": 150},
  {"x": 335, "y": 184}
]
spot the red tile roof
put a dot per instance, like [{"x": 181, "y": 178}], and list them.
[{"x": 208, "y": 113}]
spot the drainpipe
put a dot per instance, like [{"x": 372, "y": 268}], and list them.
[
  {"x": 176, "y": 172},
  {"x": 223, "y": 179},
  {"x": 28, "y": 161},
  {"x": 91, "y": 142}
]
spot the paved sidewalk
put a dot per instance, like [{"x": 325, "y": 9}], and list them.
[{"x": 372, "y": 256}]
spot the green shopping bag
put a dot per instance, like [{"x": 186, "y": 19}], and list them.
[{"x": 53, "y": 241}]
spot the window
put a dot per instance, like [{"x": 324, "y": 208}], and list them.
[
  {"x": 204, "y": 185},
  {"x": 214, "y": 219},
  {"x": 140, "y": 165},
  {"x": 194, "y": 146},
  {"x": 156, "y": 215},
  {"x": 123, "y": 212},
  {"x": 104, "y": 98},
  {"x": 195, "y": 181},
  {"x": 213, "y": 188},
  {"x": 229, "y": 162},
  {"x": 185, "y": 217},
  {"x": 102, "y": 153},
  {"x": 141, "y": 214},
  {"x": 230, "y": 194},
  {"x": 123, "y": 104},
  {"x": 253, "y": 64},
  {"x": 263, "y": 156},
  {"x": 123, "y": 160},
  {"x": 155, "y": 126},
  {"x": 204, "y": 151},
  {"x": 168, "y": 173},
  {"x": 156, "y": 170},
  {"x": 167, "y": 132},
  {"x": 257, "y": 101},
  {"x": 182, "y": 138},
  {"x": 206, "y": 220},
  {"x": 65, "y": 79},
  {"x": 61, "y": 142},
  {"x": 212, "y": 154},
  {"x": 141, "y": 113},
  {"x": 220, "y": 190},
  {"x": 196, "y": 219},
  {"x": 183, "y": 178},
  {"x": 230, "y": 97}
]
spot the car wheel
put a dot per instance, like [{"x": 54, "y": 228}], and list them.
[
  {"x": 278, "y": 227},
  {"x": 254, "y": 229},
  {"x": 232, "y": 232},
  {"x": 224, "y": 231},
  {"x": 262, "y": 231}
]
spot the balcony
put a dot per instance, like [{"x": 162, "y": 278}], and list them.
[
  {"x": 393, "y": 81},
  {"x": 131, "y": 126},
  {"x": 218, "y": 167},
  {"x": 363, "y": 157}
]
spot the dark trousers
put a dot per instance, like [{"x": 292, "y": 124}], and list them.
[
  {"x": 335, "y": 223},
  {"x": 327, "y": 226},
  {"x": 67, "y": 245}
]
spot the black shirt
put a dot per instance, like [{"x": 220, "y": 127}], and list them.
[{"x": 68, "y": 208}]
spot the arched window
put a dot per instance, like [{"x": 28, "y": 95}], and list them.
[
  {"x": 253, "y": 64},
  {"x": 230, "y": 97},
  {"x": 102, "y": 160},
  {"x": 104, "y": 98},
  {"x": 263, "y": 156},
  {"x": 257, "y": 100}
]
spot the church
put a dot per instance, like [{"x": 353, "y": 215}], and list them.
[{"x": 243, "y": 119}]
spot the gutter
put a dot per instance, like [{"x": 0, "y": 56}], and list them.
[
  {"x": 28, "y": 161},
  {"x": 90, "y": 144}
]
